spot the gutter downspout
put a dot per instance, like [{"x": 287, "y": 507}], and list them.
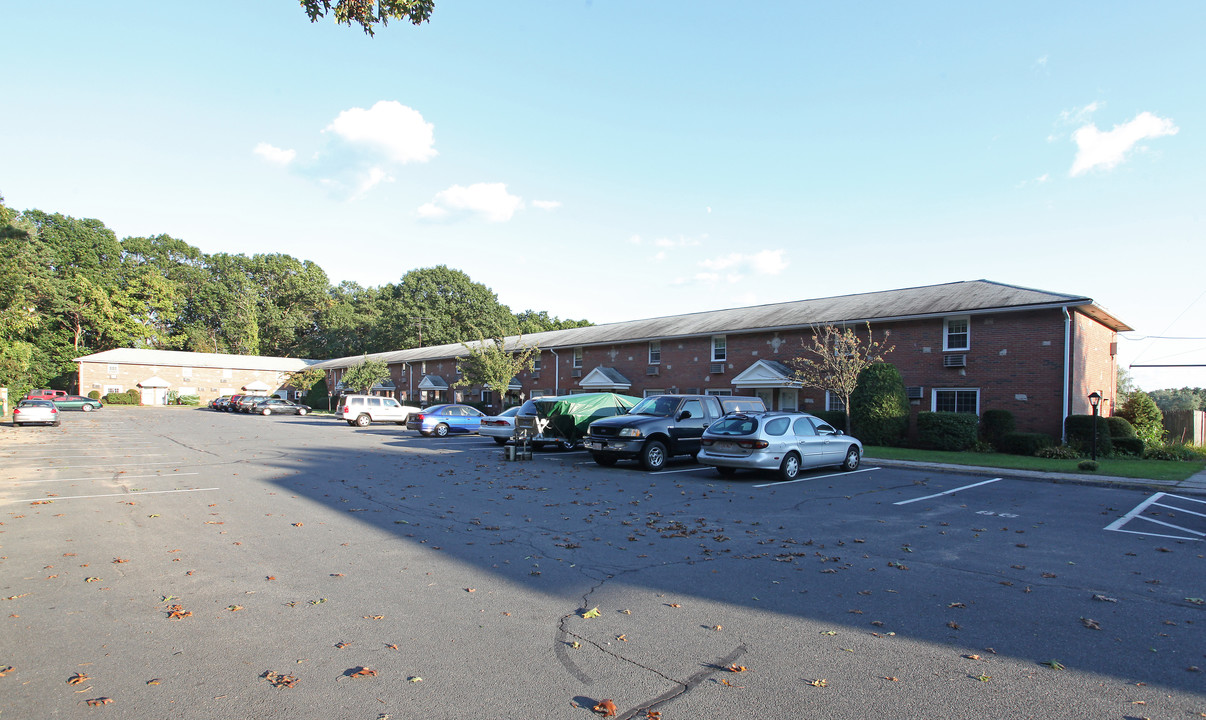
[
  {"x": 1063, "y": 424},
  {"x": 409, "y": 382},
  {"x": 556, "y": 372}
]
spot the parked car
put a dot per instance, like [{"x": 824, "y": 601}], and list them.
[
  {"x": 784, "y": 441},
  {"x": 277, "y": 406},
  {"x": 442, "y": 420},
  {"x": 563, "y": 420},
  {"x": 232, "y": 403},
  {"x": 660, "y": 427},
  {"x": 245, "y": 403},
  {"x": 77, "y": 402},
  {"x": 45, "y": 394},
  {"x": 30, "y": 412},
  {"x": 219, "y": 403},
  {"x": 501, "y": 427},
  {"x": 360, "y": 410}
]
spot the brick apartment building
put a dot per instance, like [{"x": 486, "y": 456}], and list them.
[
  {"x": 964, "y": 347},
  {"x": 155, "y": 373}
]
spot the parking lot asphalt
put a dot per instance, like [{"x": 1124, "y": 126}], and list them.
[{"x": 183, "y": 563}]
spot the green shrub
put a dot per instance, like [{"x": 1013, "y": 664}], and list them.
[
  {"x": 1089, "y": 465},
  {"x": 118, "y": 399},
  {"x": 879, "y": 406},
  {"x": 1079, "y": 429},
  {"x": 1018, "y": 443},
  {"x": 983, "y": 446},
  {"x": 995, "y": 424},
  {"x": 836, "y": 418},
  {"x": 188, "y": 399},
  {"x": 947, "y": 430},
  {"x": 1120, "y": 427},
  {"x": 1127, "y": 446},
  {"x": 94, "y": 394},
  {"x": 316, "y": 397},
  {"x": 1058, "y": 452},
  {"x": 1145, "y": 415},
  {"x": 1171, "y": 451},
  {"x": 135, "y": 396}
]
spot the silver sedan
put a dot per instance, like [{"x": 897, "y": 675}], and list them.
[
  {"x": 787, "y": 442},
  {"x": 30, "y": 412}
]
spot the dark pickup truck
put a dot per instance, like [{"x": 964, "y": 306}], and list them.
[{"x": 660, "y": 427}]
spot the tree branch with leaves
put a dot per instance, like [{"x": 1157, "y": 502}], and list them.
[
  {"x": 368, "y": 13},
  {"x": 362, "y": 376},
  {"x": 491, "y": 364},
  {"x": 834, "y": 359}
]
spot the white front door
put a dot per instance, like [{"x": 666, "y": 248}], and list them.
[{"x": 767, "y": 396}]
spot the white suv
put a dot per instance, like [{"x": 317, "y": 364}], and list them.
[{"x": 364, "y": 409}]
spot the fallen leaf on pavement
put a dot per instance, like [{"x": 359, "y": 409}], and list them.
[
  {"x": 606, "y": 708},
  {"x": 592, "y": 613},
  {"x": 97, "y": 702},
  {"x": 77, "y": 678}
]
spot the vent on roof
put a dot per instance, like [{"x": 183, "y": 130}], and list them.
[
  {"x": 954, "y": 361},
  {"x": 717, "y": 368},
  {"x": 915, "y": 392},
  {"x": 652, "y": 370},
  {"x": 576, "y": 372}
]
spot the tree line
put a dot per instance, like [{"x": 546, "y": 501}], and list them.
[{"x": 69, "y": 287}]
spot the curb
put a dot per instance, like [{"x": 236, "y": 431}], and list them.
[{"x": 1194, "y": 485}]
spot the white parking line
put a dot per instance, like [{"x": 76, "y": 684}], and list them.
[
  {"x": 129, "y": 494},
  {"x": 115, "y": 464},
  {"x": 109, "y": 477},
  {"x": 814, "y": 477},
  {"x": 1154, "y": 500},
  {"x": 948, "y": 492},
  {"x": 95, "y": 457}
]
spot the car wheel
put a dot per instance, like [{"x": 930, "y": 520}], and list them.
[
  {"x": 363, "y": 420},
  {"x": 500, "y": 441},
  {"x": 653, "y": 456},
  {"x": 441, "y": 430},
  {"x": 352, "y": 423},
  {"x": 603, "y": 460},
  {"x": 852, "y": 459},
  {"x": 87, "y": 408},
  {"x": 266, "y": 411},
  {"x": 790, "y": 469},
  {"x": 301, "y": 411},
  {"x": 726, "y": 471}
]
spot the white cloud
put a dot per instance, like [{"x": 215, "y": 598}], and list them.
[
  {"x": 546, "y": 204},
  {"x": 1107, "y": 149},
  {"x": 765, "y": 262},
  {"x": 390, "y": 127},
  {"x": 491, "y": 200},
  {"x": 274, "y": 155},
  {"x": 679, "y": 241},
  {"x": 1041, "y": 62},
  {"x": 375, "y": 176},
  {"x": 1076, "y": 116}
]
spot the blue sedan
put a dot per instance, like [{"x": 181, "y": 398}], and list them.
[{"x": 440, "y": 420}]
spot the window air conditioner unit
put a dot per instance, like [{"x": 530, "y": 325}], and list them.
[
  {"x": 652, "y": 370},
  {"x": 915, "y": 392},
  {"x": 954, "y": 361},
  {"x": 534, "y": 376},
  {"x": 691, "y": 391},
  {"x": 576, "y": 372},
  {"x": 717, "y": 368}
]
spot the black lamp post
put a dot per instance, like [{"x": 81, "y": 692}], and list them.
[{"x": 1094, "y": 400}]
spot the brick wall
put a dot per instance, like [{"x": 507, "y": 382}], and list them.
[{"x": 208, "y": 383}]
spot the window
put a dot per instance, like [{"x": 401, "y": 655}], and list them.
[
  {"x": 652, "y": 393},
  {"x": 112, "y": 369},
  {"x": 536, "y": 364},
  {"x": 803, "y": 426},
  {"x": 834, "y": 403},
  {"x": 577, "y": 357},
  {"x": 721, "y": 393},
  {"x": 778, "y": 426},
  {"x": 186, "y": 374},
  {"x": 227, "y": 373},
  {"x": 694, "y": 407},
  {"x": 956, "y": 333},
  {"x": 655, "y": 352},
  {"x": 960, "y": 400},
  {"x": 719, "y": 348},
  {"x": 487, "y": 397}
]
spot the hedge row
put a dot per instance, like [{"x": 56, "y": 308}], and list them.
[{"x": 947, "y": 430}]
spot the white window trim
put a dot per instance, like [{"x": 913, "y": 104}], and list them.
[
  {"x": 718, "y": 393},
  {"x": 934, "y": 396},
  {"x": 835, "y": 399},
  {"x": 725, "y": 350},
  {"x": 112, "y": 370},
  {"x": 658, "y": 344},
  {"x": 653, "y": 393},
  {"x": 946, "y": 333},
  {"x": 578, "y": 356},
  {"x": 536, "y": 364}
]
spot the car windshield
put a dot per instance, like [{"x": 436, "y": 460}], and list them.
[
  {"x": 509, "y": 412},
  {"x": 739, "y": 425},
  {"x": 658, "y": 406}
]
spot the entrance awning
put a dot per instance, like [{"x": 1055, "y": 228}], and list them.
[
  {"x": 603, "y": 379},
  {"x": 256, "y": 386},
  {"x": 766, "y": 374},
  {"x": 433, "y": 382},
  {"x": 154, "y": 382}
]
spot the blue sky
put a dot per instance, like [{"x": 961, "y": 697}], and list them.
[{"x": 695, "y": 155}]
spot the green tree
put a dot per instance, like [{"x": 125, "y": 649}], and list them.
[
  {"x": 1144, "y": 415},
  {"x": 367, "y": 13},
  {"x": 439, "y": 306},
  {"x": 879, "y": 406},
  {"x": 530, "y": 321},
  {"x": 494, "y": 364},
  {"x": 835, "y": 357},
  {"x": 303, "y": 380},
  {"x": 1125, "y": 385},
  {"x": 365, "y": 374}
]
